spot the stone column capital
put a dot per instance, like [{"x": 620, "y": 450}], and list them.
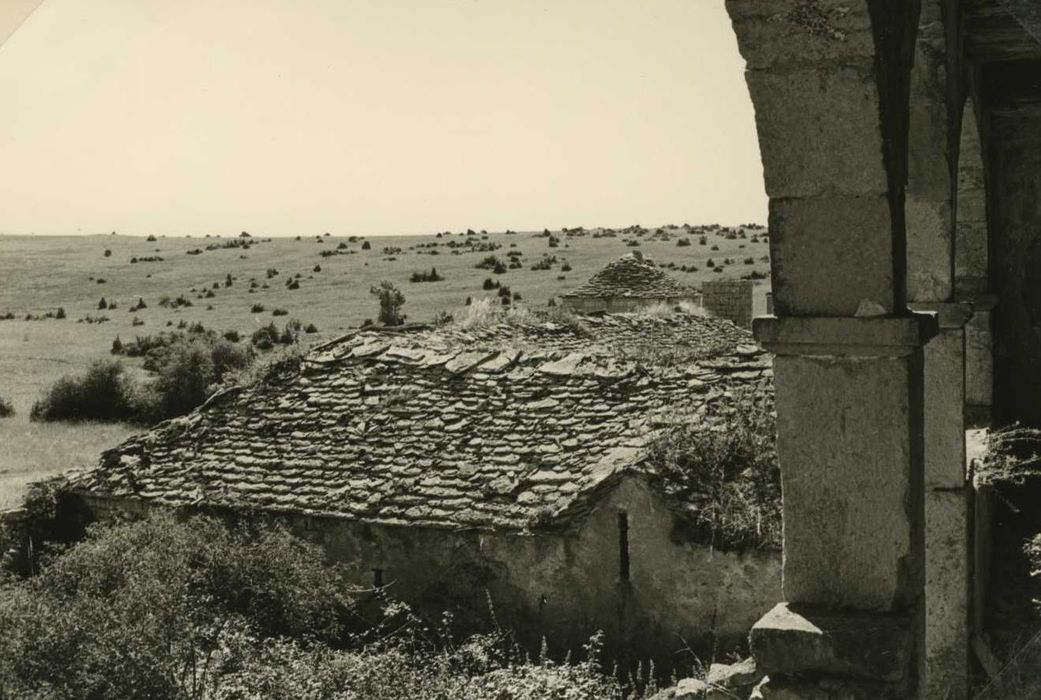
[
  {"x": 880, "y": 336},
  {"x": 950, "y": 315}
]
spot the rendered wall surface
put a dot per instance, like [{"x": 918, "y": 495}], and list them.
[{"x": 679, "y": 598}]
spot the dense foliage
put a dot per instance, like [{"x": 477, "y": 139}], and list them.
[
  {"x": 727, "y": 476},
  {"x": 186, "y": 368},
  {"x": 193, "y": 609},
  {"x": 146, "y": 609}
]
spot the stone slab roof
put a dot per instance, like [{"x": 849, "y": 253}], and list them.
[
  {"x": 496, "y": 427},
  {"x": 631, "y": 277}
]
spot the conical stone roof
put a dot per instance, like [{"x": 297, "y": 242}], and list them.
[{"x": 631, "y": 277}]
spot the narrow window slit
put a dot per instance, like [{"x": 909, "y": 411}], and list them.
[
  {"x": 377, "y": 578},
  {"x": 623, "y": 546}
]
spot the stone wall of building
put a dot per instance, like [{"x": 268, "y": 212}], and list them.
[
  {"x": 678, "y": 597},
  {"x": 729, "y": 299},
  {"x": 619, "y": 305}
]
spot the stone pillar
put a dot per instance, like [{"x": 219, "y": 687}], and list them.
[
  {"x": 931, "y": 189},
  {"x": 829, "y": 81},
  {"x": 948, "y": 531},
  {"x": 979, "y": 363}
]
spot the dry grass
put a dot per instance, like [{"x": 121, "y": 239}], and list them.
[{"x": 29, "y": 451}]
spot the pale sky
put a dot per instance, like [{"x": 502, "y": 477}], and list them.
[{"x": 286, "y": 117}]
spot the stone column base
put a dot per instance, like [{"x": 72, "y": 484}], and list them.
[{"x": 816, "y": 652}]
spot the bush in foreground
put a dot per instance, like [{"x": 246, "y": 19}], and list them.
[
  {"x": 148, "y": 609},
  {"x": 6, "y": 408},
  {"x": 193, "y": 610}
]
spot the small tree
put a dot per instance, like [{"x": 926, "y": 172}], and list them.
[{"x": 391, "y": 300}]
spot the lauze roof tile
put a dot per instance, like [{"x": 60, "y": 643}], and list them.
[{"x": 483, "y": 428}]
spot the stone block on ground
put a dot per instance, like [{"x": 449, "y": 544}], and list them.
[
  {"x": 686, "y": 689},
  {"x": 800, "y": 639},
  {"x": 740, "y": 676}
]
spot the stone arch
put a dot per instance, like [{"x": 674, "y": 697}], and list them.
[{"x": 970, "y": 266}]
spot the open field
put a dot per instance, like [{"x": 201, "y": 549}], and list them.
[{"x": 39, "y": 275}]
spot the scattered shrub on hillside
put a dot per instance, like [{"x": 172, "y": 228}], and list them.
[
  {"x": 102, "y": 305},
  {"x": 117, "y": 346},
  {"x": 265, "y": 337},
  {"x": 257, "y": 309},
  {"x": 279, "y": 312},
  {"x": 682, "y": 242},
  {"x": 489, "y": 283},
  {"x": 366, "y": 246},
  {"x": 60, "y": 313},
  {"x": 292, "y": 284},
  {"x": 566, "y": 267},
  {"x": 232, "y": 336},
  {"x": 6, "y": 408},
  {"x": 727, "y": 474},
  {"x": 101, "y": 393},
  {"x": 390, "y": 300},
  {"x": 431, "y": 276},
  {"x": 137, "y": 322}
]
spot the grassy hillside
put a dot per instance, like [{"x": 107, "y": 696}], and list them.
[{"x": 39, "y": 275}]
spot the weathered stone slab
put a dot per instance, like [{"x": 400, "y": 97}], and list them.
[
  {"x": 730, "y": 680},
  {"x": 686, "y": 689},
  {"x": 855, "y": 337},
  {"x": 929, "y": 195},
  {"x": 930, "y": 247},
  {"x": 793, "y": 32},
  {"x": 830, "y": 254},
  {"x": 944, "y": 432},
  {"x": 979, "y": 360},
  {"x": 819, "y": 131},
  {"x": 848, "y": 474},
  {"x": 794, "y": 639},
  {"x": 947, "y": 578}
]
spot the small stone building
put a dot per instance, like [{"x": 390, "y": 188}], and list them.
[
  {"x": 627, "y": 284},
  {"x": 455, "y": 466}
]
